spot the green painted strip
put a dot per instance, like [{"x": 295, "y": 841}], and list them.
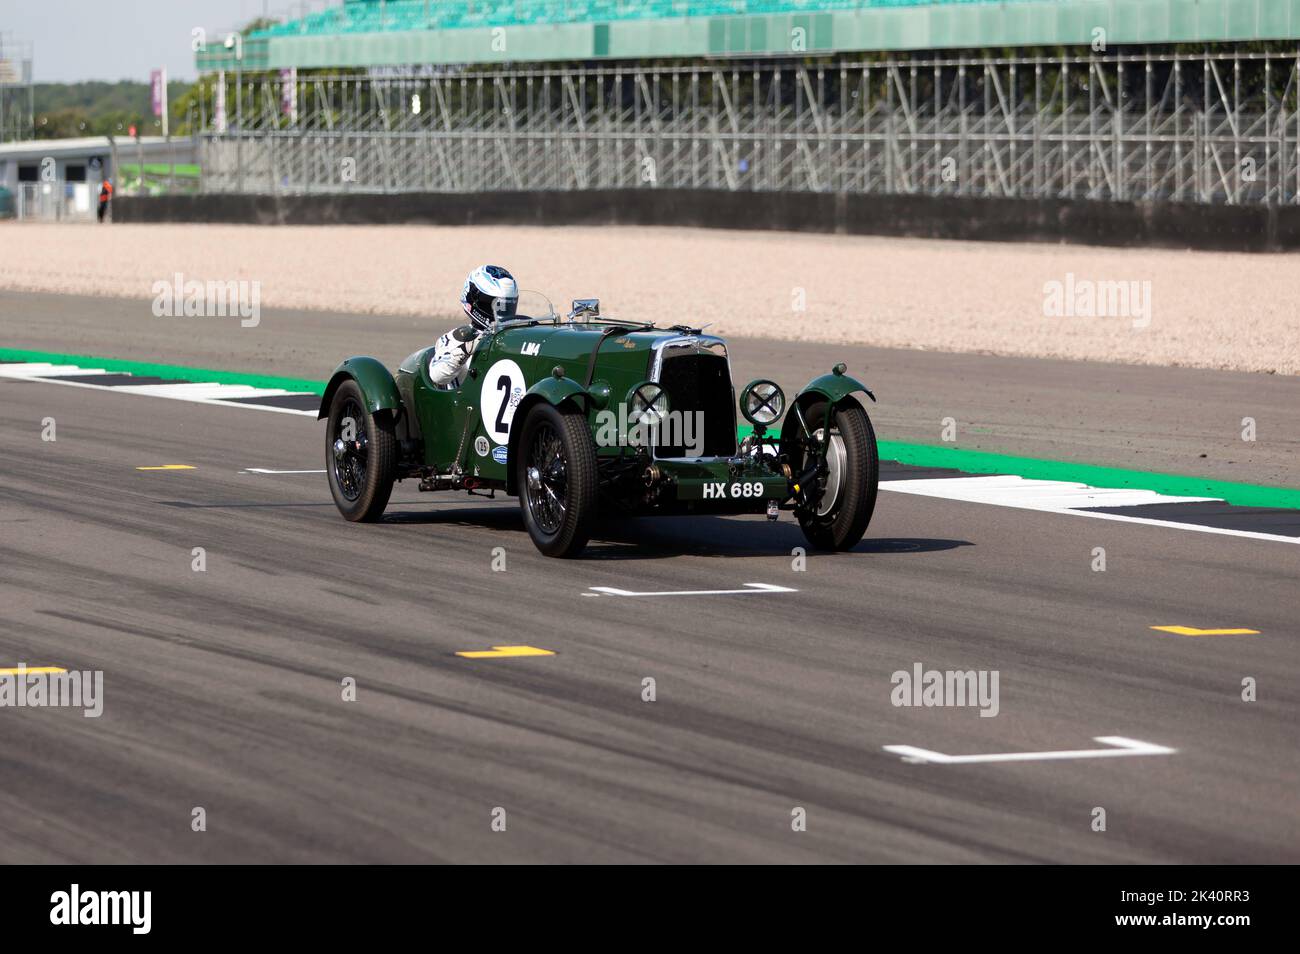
[
  {"x": 203, "y": 375},
  {"x": 979, "y": 462},
  {"x": 920, "y": 455}
]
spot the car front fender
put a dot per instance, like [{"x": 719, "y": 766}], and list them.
[
  {"x": 554, "y": 391},
  {"x": 377, "y": 386},
  {"x": 558, "y": 390},
  {"x": 834, "y": 387}
]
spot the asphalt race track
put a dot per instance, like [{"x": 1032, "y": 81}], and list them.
[{"x": 223, "y": 688}]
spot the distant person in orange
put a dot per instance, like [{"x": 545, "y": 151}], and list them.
[{"x": 105, "y": 196}]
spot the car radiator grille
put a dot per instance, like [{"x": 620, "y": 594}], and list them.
[{"x": 700, "y": 382}]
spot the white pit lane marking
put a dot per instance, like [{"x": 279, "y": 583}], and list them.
[
  {"x": 1121, "y": 747},
  {"x": 1012, "y": 491},
  {"x": 265, "y": 470},
  {"x": 197, "y": 392},
  {"x": 751, "y": 588},
  {"x": 1062, "y": 496},
  {"x": 43, "y": 370},
  {"x": 192, "y": 391}
]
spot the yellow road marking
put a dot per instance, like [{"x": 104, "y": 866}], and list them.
[
  {"x": 1193, "y": 631},
  {"x": 169, "y": 467},
  {"x": 500, "y": 652},
  {"x": 29, "y": 669}
]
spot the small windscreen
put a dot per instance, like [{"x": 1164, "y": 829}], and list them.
[{"x": 533, "y": 305}]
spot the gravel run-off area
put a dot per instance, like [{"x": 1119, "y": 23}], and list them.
[{"x": 1200, "y": 309}]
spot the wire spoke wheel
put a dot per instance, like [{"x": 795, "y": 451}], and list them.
[
  {"x": 832, "y": 485},
  {"x": 547, "y": 479},
  {"x": 555, "y": 475},
  {"x": 360, "y": 455},
  {"x": 351, "y": 447},
  {"x": 849, "y": 473}
]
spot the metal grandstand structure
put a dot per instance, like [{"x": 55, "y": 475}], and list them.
[{"x": 1218, "y": 127}]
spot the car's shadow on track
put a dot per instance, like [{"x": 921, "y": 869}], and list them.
[
  {"x": 657, "y": 538},
  {"x": 661, "y": 537},
  {"x": 490, "y": 518}
]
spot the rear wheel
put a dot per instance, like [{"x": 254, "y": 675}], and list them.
[
  {"x": 556, "y": 474},
  {"x": 840, "y": 513},
  {"x": 360, "y": 455}
]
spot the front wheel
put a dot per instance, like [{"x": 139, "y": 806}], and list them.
[
  {"x": 556, "y": 474},
  {"x": 839, "y": 516},
  {"x": 360, "y": 455}
]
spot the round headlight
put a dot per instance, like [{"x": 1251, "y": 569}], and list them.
[
  {"x": 648, "y": 404},
  {"x": 762, "y": 402}
]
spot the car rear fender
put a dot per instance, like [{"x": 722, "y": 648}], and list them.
[
  {"x": 553, "y": 390},
  {"x": 377, "y": 385}
]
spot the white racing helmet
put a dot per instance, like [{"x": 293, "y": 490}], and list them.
[{"x": 490, "y": 294}]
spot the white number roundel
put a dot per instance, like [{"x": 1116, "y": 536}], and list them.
[{"x": 503, "y": 389}]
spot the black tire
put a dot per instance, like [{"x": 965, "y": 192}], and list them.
[
  {"x": 361, "y": 471},
  {"x": 846, "y": 520},
  {"x": 558, "y": 502}
]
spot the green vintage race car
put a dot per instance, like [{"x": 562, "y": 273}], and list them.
[{"x": 583, "y": 416}]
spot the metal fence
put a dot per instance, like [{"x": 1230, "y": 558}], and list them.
[
  {"x": 56, "y": 201},
  {"x": 1216, "y": 127}
]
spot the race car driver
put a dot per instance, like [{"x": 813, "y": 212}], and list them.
[{"x": 490, "y": 294}]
